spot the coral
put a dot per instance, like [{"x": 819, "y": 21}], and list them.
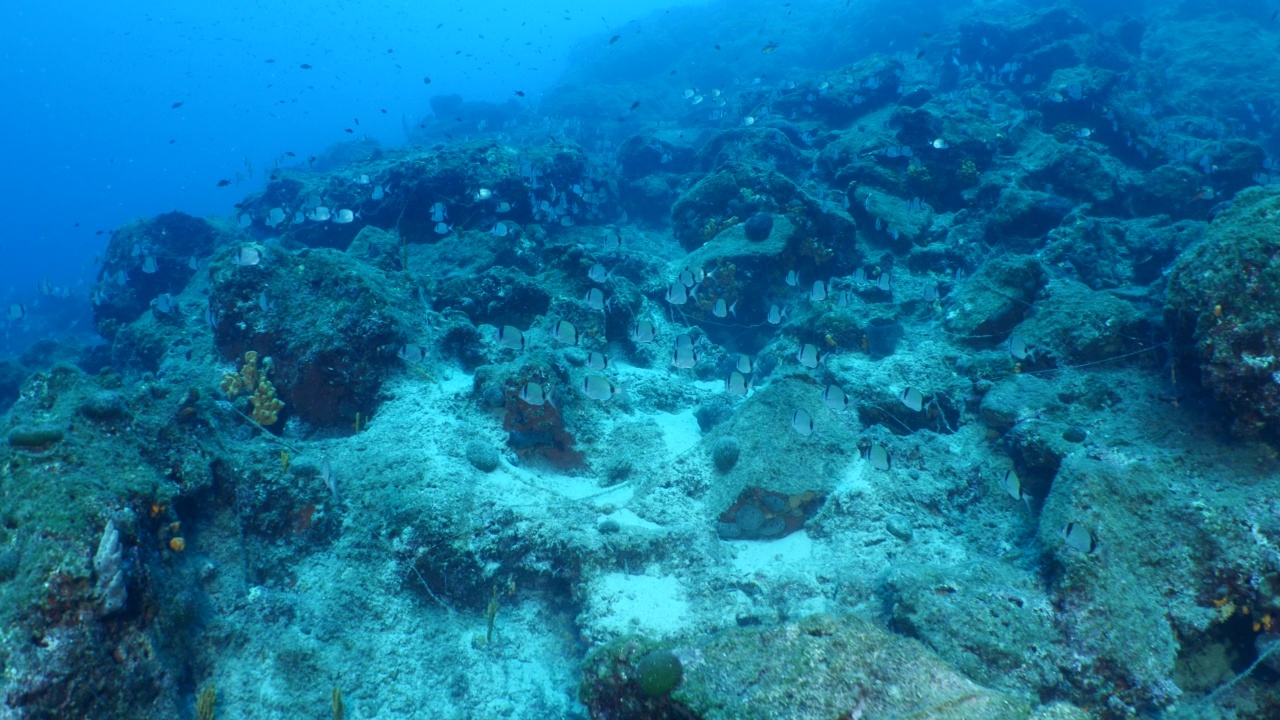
[
  {"x": 252, "y": 379},
  {"x": 764, "y": 514},
  {"x": 108, "y": 565},
  {"x": 35, "y": 438},
  {"x": 482, "y": 456},
  {"x": 967, "y": 174},
  {"x": 758, "y": 226},
  {"x": 725, "y": 453},
  {"x": 658, "y": 673}
]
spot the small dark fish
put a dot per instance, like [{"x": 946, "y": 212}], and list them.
[
  {"x": 919, "y": 54},
  {"x": 311, "y": 160},
  {"x": 175, "y": 106},
  {"x": 717, "y": 46},
  {"x": 172, "y": 141},
  {"x": 223, "y": 183},
  {"x": 770, "y": 47},
  {"x": 426, "y": 80},
  {"x": 520, "y": 93},
  {"x": 616, "y": 38},
  {"x": 635, "y": 105},
  {"x": 290, "y": 153},
  {"x": 384, "y": 111},
  {"x": 305, "y": 66},
  {"x": 348, "y": 130},
  {"x": 357, "y": 120}
]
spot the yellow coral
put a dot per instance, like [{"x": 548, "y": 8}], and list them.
[{"x": 252, "y": 379}]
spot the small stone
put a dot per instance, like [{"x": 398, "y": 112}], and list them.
[
  {"x": 725, "y": 453},
  {"x": 899, "y": 526},
  {"x": 608, "y": 525},
  {"x": 1074, "y": 434},
  {"x": 482, "y": 455}
]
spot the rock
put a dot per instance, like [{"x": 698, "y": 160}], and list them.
[
  {"x": 35, "y": 437},
  {"x": 758, "y": 226},
  {"x": 482, "y": 455},
  {"x": 753, "y": 672},
  {"x": 899, "y": 526},
  {"x": 1224, "y": 296},
  {"x": 108, "y": 567}
]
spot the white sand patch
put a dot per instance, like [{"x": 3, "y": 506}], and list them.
[
  {"x": 619, "y": 603},
  {"x": 627, "y": 519},
  {"x": 680, "y": 431},
  {"x": 773, "y": 557}
]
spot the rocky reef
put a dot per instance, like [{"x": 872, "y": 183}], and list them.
[{"x": 938, "y": 382}]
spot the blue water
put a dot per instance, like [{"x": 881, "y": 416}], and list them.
[{"x": 91, "y": 138}]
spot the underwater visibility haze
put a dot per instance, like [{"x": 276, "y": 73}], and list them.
[{"x": 846, "y": 360}]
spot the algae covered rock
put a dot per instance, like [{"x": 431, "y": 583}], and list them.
[
  {"x": 1224, "y": 297},
  {"x": 819, "y": 668}
]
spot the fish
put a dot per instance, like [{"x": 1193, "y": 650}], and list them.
[
  {"x": 1018, "y": 348},
  {"x": 614, "y": 39},
  {"x": 635, "y": 105},
  {"x": 265, "y": 303},
  {"x": 330, "y": 478},
  {"x": 769, "y": 47},
  {"x": 819, "y": 292},
  {"x": 802, "y": 423},
  {"x": 595, "y": 299},
  {"x": 483, "y": 194},
  {"x": 808, "y": 355},
  {"x": 305, "y": 66},
  {"x": 884, "y": 282},
  {"x": 164, "y": 303},
  {"x": 643, "y": 332},
  {"x": 721, "y": 310},
  {"x": 534, "y": 394},
  {"x": 1079, "y": 537},
  {"x": 439, "y": 212},
  {"x": 597, "y": 361},
  {"x": 503, "y": 207},
  {"x": 275, "y": 217},
  {"x": 878, "y": 456},
  {"x": 246, "y": 256},
  {"x": 612, "y": 240},
  {"x": 443, "y": 228},
  {"x": 17, "y": 311},
  {"x": 597, "y": 273},
  {"x": 1012, "y": 484},
  {"x": 793, "y": 278},
  {"x": 499, "y": 230},
  {"x": 149, "y": 265},
  {"x": 223, "y": 183},
  {"x": 859, "y": 276},
  {"x": 175, "y": 106},
  {"x": 930, "y": 294},
  {"x": 598, "y": 387},
  {"x": 319, "y": 213},
  {"x": 245, "y": 220},
  {"x": 835, "y": 398},
  {"x": 511, "y": 337},
  {"x": 412, "y": 353},
  {"x": 566, "y": 333},
  {"x": 737, "y": 384},
  {"x": 912, "y": 398},
  {"x": 685, "y": 357},
  {"x": 940, "y": 144},
  {"x": 677, "y": 294},
  {"x": 776, "y": 315},
  {"x": 344, "y": 216},
  {"x": 743, "y": 364},
  {"x": 378, "y": 192}
]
